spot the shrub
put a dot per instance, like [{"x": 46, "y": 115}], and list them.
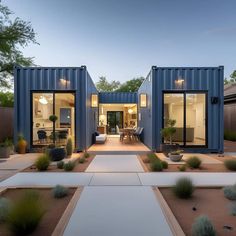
[
  {"x": 60, "y": 191},
  {"x": 194, "y": 162},
  {"x": 233, "y": 209},
  {"x": 156, "y": 165},
  {"x": 230, "y": 164},
  {"x": 26, "y": 213},
  {"x": 182, "y": 168},
  {"x": 69, "y": 166},
  {"x": 42, "y": 162},
  {"x": 164, "y": 164},
  {"x": 230, "y": 135},
  {"x": 86, "y": 155},
  {"x": 60, "y": 164},
  {"x": 202, "y": 226},
  {"x": 4, "y": 208},
  {"x": 69, "y": 147},
  {"x": 81, "y": 160},
  {"x": 152, "y": 156},
  {"x": 230, "y": 192},
  {"x": 183, "y": 188}
]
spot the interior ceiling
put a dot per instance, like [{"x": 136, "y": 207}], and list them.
[{"x": 118, "y": 105}]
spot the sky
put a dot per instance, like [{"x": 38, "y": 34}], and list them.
[{"x": 122, "y": 39}]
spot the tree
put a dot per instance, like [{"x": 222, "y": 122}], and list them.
[
  {"x": 232, "y": 78},
  {"x": 131, "y": 85},
  {"x": 6, "y": 99},
  {"x": 14, "y": 34},
  {"x": 105, "y": 86}
]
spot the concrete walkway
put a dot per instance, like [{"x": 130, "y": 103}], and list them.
[
  {"x": 115, "y": 163},
  {"x": 114, "y": 179},
  {"x": 116, "y": 211},
  {"x": 15, "y": 163}
]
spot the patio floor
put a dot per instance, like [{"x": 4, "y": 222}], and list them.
[{"x": 113, "y": 144}]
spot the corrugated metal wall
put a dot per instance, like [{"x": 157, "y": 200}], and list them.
[
  {"x": 117, "y": 97},
  {"x": 208, "y": 79},
  {"x": 91, "y": 112},
  {"x": 145, "y": 116},
  {"x": 31, "y": 79}
]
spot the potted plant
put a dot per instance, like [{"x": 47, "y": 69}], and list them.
[
  {"x": 167, "y": 134},
  {"x": 21, "y": 145},
  {"x": 5, "y": 148},
  {"x": 175, "y": 156},
  {"x": 53, "y": 119}
]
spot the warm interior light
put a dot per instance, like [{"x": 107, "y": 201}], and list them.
[
  {"x": 130, "y": 111},
  {"x": 43, "y": 100},
  {"x": 143, "y": 100},
  {"x": 94, "y": 100}
]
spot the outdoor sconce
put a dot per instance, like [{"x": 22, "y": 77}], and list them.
[
  {"x": 143, "y": 100},
  {"x": 94, "y": 100},
  {"x": 179, "y": 83}
]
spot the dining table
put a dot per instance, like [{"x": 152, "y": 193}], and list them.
[{"x": 128, "y": 132}]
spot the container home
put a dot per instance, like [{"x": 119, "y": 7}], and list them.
[
  {"x": 193, "y": 97},
  {"x": 68, "y": 93}
]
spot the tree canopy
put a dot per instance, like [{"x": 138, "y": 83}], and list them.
[
  {"x": 6, "y": 99},
  {"x": 14, "y": 36},
  {"x": 232, "y": 78},
  {"x": 131, "y": 85},
  {"x": 103, "y": 85}
]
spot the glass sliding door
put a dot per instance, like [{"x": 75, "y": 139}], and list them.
[
  {"x": 189, "y": 112},
  {"x": 196, "y": 119},
  {"x": 174, "y": 110},
  {"x": 42, "y": 108},
  {"x": 114, "y": 119},
  {"x": 60, "y": 104}
]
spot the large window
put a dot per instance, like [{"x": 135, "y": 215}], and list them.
[
  {"x": 189, "y": 112},
  {"x": 46, "y": 104}
]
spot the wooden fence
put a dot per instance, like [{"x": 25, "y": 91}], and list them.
[
  {"x": 6, "y": 122},
  {"x": 230, "y": 116}
]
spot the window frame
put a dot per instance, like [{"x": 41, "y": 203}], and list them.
[
  {"x": 185, "y": 92},
  {"x": 53, "y": 92}
]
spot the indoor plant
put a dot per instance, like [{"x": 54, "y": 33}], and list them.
[
  {"x": 175, "y": 155},
  {"x": 21, "y": 145},
  {"x": 5, "y": 148},
  {"x": 167, "y": 134}
]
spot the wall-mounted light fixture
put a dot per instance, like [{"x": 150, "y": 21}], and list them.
[
  {"x": 179, "y": 83},
  {"x": 94, "y": 100},
  {"x": 143, "y": 100}
]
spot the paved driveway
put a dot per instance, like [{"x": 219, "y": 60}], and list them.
[{"x": 116, "y": 211}]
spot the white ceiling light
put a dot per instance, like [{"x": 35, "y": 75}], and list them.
[
  {"x": 130, "y": 111},
  {"x": 43, "y": 100}
]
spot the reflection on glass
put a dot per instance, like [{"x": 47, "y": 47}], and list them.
[
  {"x": 195, "y": 119},
  {"x": 64, "y": 110},
  {"x": 174, "y": 110}
]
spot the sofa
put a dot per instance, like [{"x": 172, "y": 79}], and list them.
[{"x": 101, "y": 138}]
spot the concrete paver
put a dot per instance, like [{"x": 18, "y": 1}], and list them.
[
  {"x": 115, "y": 163},
  {"x": 116, "y": 211},
  {"x": 115, "y": 179},
  {"x": 47, "y": 179},
  {"x": 199, "y": 179}
]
